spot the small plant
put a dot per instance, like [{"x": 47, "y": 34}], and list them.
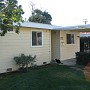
[{"x": 23, "y": 61}]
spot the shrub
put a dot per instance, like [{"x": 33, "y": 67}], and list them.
[
  {"x": 82, "y": 58},
  {"x": 23, "y": 61}
]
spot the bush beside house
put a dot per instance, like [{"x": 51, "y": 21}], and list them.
[
  {"x": 24, "y": 61},
  {"x": 82, "y": 58}
]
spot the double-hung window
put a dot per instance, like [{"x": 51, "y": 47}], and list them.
[
  {"x": 70, "y": 38},
  {"x": 36, "y": 38}
]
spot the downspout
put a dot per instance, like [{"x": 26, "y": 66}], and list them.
[
  {"x": 60, "y": 46},
  {"x": 50, "y": 44}
]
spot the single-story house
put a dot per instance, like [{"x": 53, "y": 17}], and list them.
[{"x": 47, "y": 42}]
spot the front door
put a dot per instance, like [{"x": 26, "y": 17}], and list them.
[{"x": 55, "y": 44}]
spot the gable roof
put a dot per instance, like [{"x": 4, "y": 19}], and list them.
[
  {"x": 53, "y": 27},
  {"x": 85, "y": 26},
  {"x": 38, "y": 25}
]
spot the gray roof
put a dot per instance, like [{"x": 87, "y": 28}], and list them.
[
  {"x": 76, "y": 27},
  {"x": 53, "y": 27},
  {"x": 38, "y": 25}
]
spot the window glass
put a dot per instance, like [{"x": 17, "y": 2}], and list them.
[
  {"x": 36, "y": 38},
  {"x": 70, "y": 38}
]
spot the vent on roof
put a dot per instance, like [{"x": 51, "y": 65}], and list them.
[
  {"x": 9, "y": 69},
  {"x": 44, "y": 63}
]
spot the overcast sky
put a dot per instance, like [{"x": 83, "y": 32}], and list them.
[{"x": 63, "y": 12}]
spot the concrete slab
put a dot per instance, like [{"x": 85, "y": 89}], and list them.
[{"x": 69, "y": 62}]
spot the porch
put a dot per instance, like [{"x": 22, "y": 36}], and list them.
[{"x": 69, "y": 62}]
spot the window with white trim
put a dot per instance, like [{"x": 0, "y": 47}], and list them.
[
  {"x": 36, "y": 38},
  {"x": 70, "y": 38}
]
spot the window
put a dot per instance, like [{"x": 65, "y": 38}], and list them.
[
  {"x": 70, "y": 38},
  {"x": 36, "y": 38}
]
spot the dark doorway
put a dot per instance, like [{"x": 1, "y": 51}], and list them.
[{"x": 85, "y": 44}]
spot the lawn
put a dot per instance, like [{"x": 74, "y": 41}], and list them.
[{"x": 49, "y": 77}]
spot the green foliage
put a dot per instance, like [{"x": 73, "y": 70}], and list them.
[
  {"x": 40, "y": 17},
  {"x": 82, "y": 58},
  {"x": 23, "y": 61},
  {"x": 10, "y": 13}
]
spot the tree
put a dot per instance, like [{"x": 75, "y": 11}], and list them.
[
  {"x": 40, "y": 17},
  {"x": 32, "y": 7},
  {"x": 48, "y": 17},
  {"x": 10, "y": 13}
]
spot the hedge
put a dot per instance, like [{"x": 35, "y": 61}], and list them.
[{"x": 82, "y": 58}]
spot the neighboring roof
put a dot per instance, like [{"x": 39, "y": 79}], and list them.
[
  {"x": 85, "y": 26},
  {"x": 53, "y": 27}
]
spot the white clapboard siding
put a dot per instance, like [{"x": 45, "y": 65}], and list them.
[
  {"x": 67, "y": 51},
  {"x": 13, "y": 44}
]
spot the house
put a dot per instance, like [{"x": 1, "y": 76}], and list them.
[{"x": 47, "y": 42}]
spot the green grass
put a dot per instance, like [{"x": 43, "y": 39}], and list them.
[{"x": 49, "y": 77}]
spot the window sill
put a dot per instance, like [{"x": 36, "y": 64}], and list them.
[
  {"x": 36, "y": 46},
  {"x": 10, "y": 32},
  {"x": 70, "y": 44}
]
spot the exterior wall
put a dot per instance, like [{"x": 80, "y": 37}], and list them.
[
  {"x": 55, "y": 44},
  {"x": 12, "y": 45},
  {"x": 67, "y": 51}
]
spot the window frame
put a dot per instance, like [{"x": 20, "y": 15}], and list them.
[
  {"x": 32, "y": 40},
  {"x": 72, "y": 42}
]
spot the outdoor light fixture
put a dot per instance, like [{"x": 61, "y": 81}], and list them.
[
  {"x": 61, "y": 38},
  {"x": 78, "y": 36},
  {"x": 56, "y": 32}
]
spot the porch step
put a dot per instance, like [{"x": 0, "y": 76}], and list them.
[
  {"x": 69, "y": 62},
  {"x": 87, "y": 69},
  {"x": 53, "y": 62},
  {"x": 87, "y": 77},
  {"x": 88, "y": 65},
  {"x": 87, "y": 72}
]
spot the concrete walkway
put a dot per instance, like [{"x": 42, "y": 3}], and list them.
[
  {"x": 86, "y": 69},
  {"x": 69, "y": 62}
]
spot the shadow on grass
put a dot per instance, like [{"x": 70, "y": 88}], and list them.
[{"x": 48, "y": 77}]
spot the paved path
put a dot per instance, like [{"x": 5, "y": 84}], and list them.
[
  {"x": 69, "y": 62},
  {"x": 72, "y": 62},
  {"x": 87, "y": 72}
]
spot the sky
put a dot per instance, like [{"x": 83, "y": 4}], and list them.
[{"x": 63, "y": 12}]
